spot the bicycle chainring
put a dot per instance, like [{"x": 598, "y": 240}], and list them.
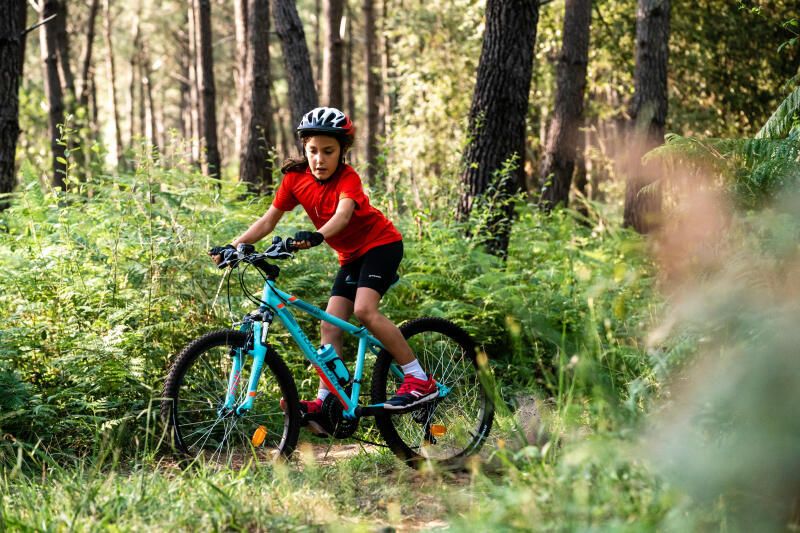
[{"x": 332, "y": 411}]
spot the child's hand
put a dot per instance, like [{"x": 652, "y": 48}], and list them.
[
  {"x": 304, "y": 240},
  {"x": 217, "y": 251}
]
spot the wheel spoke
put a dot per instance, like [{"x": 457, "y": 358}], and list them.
[
  {"x": 462, "y": 412},
  {"x": 199, "y": 395}
]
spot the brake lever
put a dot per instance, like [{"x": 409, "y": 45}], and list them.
[
  {"x": 230, "y": 258},
  {"x": 280, "y": 249}
]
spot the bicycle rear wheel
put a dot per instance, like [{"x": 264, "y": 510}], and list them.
[
  {"x": 447, "y": 429},
  {"x": 194, "y": 395}
]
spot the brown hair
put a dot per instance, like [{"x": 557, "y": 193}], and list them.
[{"x": 299, "y": 163}]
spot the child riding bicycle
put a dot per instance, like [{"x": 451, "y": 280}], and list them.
[{"x": 369, "y": 247}]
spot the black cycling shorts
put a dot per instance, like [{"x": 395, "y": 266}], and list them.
[{"x": 376, "y": 269}]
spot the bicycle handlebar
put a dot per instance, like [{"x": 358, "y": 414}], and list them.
[{"x": 280, "y": 249}]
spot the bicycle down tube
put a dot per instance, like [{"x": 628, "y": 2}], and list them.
[{"x": 277, "y": 301}]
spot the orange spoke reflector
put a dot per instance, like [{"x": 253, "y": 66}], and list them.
[
  {"x": 437, "y": 430},
  {"x": 259, "y": 436}
]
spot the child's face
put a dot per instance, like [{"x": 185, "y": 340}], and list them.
[{"x": 323, "y": 156}]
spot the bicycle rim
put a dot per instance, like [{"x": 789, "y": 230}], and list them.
[
  {"x": 204, "y": 429},
  {"x": 454, "y": 426}
]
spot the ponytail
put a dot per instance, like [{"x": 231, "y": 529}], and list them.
[{"x": 294, "y": 164}]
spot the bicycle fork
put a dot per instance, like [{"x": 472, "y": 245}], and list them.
[{"x": 260, "y": 329}]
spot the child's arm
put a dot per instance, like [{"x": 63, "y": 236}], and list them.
[
  {"x": 261, "y": 227},
  {"x": 339, "y": 221}
]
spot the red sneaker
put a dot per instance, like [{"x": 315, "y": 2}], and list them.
[
  {"x": 312, "y": 408},
  {"x": 306, "y": 407},
  {"x": 412, "y": 392}
]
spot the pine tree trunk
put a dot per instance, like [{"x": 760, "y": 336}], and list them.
[
  {"x": 12, "y": 23},
  {"x": 62, "y": 48},
  {"x": 141, "y": 93},
  {"x": 560, "y": 154},
  {"x": 386, "y": 67},
  {"x": 195, "y": 116},
  {"x": 151, "y": 128},
  {"x": 55, "y": 96},
  {"x": 83, "y": 98},
  {"x": 112, "y": 88},
  {"x": 93, "y": 115},
  {"x": 302, "y": 94},
  {"x": 133, "y": 130},
  {"x": 240, "y": 65},
  {"x": 373, "y": 90},
  {"x": 254, "y": 167},
  {"x": 211, "y": 161},
  {"x": 497, "y": 116},
  {"x": 347, "y": 80},
  {"x": 332, "y": 59},
  {"x": 318, "y": 45},
  {"x": 185, "y": 61},
  {"x": 648, "y": 112}
]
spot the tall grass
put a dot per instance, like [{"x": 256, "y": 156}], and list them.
[{"x": 104, "y": 284}]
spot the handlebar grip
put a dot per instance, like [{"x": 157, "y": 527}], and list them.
[
  {"x": 290, "y": 244},
  {"x": 228, "y": 257},
  {"x": 245, "y": 249}
]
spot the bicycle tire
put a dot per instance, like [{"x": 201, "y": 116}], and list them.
[
  {"x": 466, "y": 413},
  {"x": 194, "y": 391}
]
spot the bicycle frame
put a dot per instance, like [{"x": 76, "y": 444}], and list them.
[{"x": 277, "y": 304}]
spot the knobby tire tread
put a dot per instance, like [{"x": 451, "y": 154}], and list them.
[
  {"x": 381, "y": 371},
  {"x": 272, "y": 363}
]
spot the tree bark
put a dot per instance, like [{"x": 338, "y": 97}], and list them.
[
  {"x": 133, "y": 131},
  {"x": 318, "y": 44},
  {"x": 143, "y": 125},
  {"x": 254, "y": 167},
  {"x": 497, "y": 116},
  {"x": 112, "y": 88},
  {"x": 302, "y": 94},
  {"x": 195, "y": 118},
  {"x": 95, "y": 120},
  {"x": 151, "y": 125},
  {"x": 347, "y": 80},
  {"x": 240, "y": 66},
  {"x": 386, "y": 67},
  {"x": 558, "y": 163},
  {"x": 648, "y": 113},
  {"x": 63, "y": 49},
  {"x": 184, "y": 62},
  {"x": 12, "y": 24},
  {"x": 83, "y": 98},
  {"x": 55, "y": 96},
  {"x": 332, "y": 59},
  {"x": 373, "y": 90},
  {"x": 211, "y": 161}
]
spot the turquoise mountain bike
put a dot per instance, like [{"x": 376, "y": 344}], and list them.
[{"x": 211, "y": 413}]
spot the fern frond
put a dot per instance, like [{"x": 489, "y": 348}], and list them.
[{"x": 780, "y": 123}]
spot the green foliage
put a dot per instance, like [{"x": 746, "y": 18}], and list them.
[
  {"x": 104, "y": 284},
  {"x": 783, "y": 120},
  {"x": 724, "y": 68},
  {"x": 729, "y": 437},
  {"x": 431, "y": 95},
  {"x": 755, "y": 171}
]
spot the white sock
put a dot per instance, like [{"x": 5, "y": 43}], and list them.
[
  {"x": 415, "y": 369},
  {"x": 322, "y": 394}
]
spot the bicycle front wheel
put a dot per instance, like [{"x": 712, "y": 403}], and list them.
[
  {"x": 192, "y": 405},
  {"x": 449, "y": 428}
]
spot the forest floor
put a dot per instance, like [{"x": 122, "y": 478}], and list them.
[{"x": 422, "y": 504}]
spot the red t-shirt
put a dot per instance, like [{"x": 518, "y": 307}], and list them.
[{"x": 367, "y": 228}]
